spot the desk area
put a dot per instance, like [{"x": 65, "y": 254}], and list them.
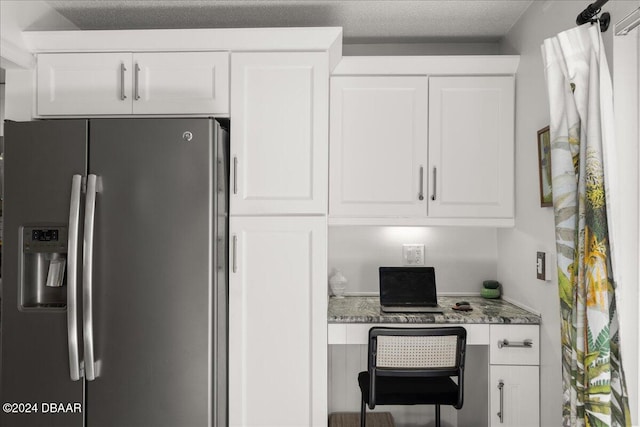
[
  {"x": 510, "y": 333},
  {"x": 485, "y": 311}
]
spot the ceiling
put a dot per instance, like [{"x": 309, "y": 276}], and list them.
[{"x": 372, "y": 21}]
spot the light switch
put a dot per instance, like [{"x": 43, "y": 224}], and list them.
[{"x": 541, "y": 266}]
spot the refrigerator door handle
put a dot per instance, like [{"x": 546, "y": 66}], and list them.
[
  {"x": 87, "y": 283},
  {"x": 72, "y": 279}
]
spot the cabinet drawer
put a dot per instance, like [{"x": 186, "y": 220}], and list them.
[{"x": 514, "y": 345}]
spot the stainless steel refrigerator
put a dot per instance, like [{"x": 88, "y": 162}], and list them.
[{"x": 114, "y": 293}]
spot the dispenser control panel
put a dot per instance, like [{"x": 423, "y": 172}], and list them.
[
  {"x": 44, "y": 239},
  {"x": 45, "y": 235}
]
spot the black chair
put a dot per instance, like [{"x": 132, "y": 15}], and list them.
[{"x": 414, "y": 366}]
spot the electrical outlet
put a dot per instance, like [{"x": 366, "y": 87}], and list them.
[{"x": 413, "y": 254}]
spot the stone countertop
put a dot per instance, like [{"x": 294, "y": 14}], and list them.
[{"x": 359, "y": 309}]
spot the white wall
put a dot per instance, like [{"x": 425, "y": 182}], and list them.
[
  {"x": 15, "y": 57},
  {"x": 534, "y": 230},
  {"x": 2, "y": 86},
  {"x": 462, "y": 256},
  {"x": 626, "y": 82},
  {"x": 391, "y": 49},
  {"x": 16, "y": 16}
]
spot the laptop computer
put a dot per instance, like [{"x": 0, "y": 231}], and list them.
[{"x": 408, "y": 290}]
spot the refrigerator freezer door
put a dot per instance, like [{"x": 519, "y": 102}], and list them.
[
  {"x": 153, "y": 277},
  {"x": 40, "y": 160}
]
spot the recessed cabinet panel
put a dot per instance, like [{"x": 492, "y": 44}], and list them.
[
  {"x": 181, "y": 83},
  {"x": 378, "y": 146},
  {"x": 278, "y": 322},
  {"x": 471, "y": 133},
  {"x": 514, "y": 396},
  {"x": 279, "y": 133},
  {"x": 84, "y": 83}
]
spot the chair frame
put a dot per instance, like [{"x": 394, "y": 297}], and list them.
[{"x": 455, "y": 371}]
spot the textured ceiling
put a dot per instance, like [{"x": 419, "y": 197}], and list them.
[{"x": 362, "y": 21}]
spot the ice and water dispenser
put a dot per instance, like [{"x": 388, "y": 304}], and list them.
[{"x": 43, "y": 259}]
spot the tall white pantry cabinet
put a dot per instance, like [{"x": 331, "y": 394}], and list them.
[{"x": 278, "y": 229}]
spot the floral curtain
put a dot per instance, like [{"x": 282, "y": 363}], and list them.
[{"x": 581, "y": 132}]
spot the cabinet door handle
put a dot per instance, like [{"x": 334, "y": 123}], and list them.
[
  {"x": 433, "y": 195},
  {"x": 501, "y": 412},
  {"x": 421, "y": 193},
  {"x": 136, "y": 82},
  {"x": 122, "y": 70},
  {"x": 234, "y": 252},
  {"x": 505, "y": 343},
  {"x": 235, "y": 175}
]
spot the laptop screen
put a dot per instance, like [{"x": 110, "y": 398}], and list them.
[{"x": 408, "y": 286}]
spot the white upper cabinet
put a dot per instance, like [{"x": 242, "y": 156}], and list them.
[
  {"x": 279, "y": 133},
  {"x": 378, "y": 146},
  {"x": 84, "y": 83},
  {"x": 471, "y": 148},
  {"x": 181, "y": 83},
  {"x": 419, "y": 150},
  {"x": 133, "y": 83}
]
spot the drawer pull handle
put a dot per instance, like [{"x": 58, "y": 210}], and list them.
[{"x": 505, "y": 343}]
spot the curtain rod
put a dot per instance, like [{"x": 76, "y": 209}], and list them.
[{"x": 592, "y": 10}]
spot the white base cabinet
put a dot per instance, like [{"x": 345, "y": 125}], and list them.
[
  {"x": 515, "y": 396},
  {"x": 278, "y": 322},
  {"x": 125, "y": 83},
  {"x": 514, "y": 376}
]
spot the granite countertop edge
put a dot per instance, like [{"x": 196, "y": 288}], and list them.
[{"x": 366, "y": 309}]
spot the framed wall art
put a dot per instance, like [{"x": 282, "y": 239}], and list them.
[{"x": 544, "y": 167}]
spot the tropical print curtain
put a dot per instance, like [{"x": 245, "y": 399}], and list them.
[{"x": 581, "y": 132}]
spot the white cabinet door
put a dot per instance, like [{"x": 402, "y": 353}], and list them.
[
  {"x": 279, "y": 133},
  {"x": 181, "y": 83},
  {"x": 278, "y": 322},
  {"x": 471, "y": 147},
  {"x": 84, "y": 83},
  {"x": 378, "y": 146},
  {"x": 514, "y": 395}
]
